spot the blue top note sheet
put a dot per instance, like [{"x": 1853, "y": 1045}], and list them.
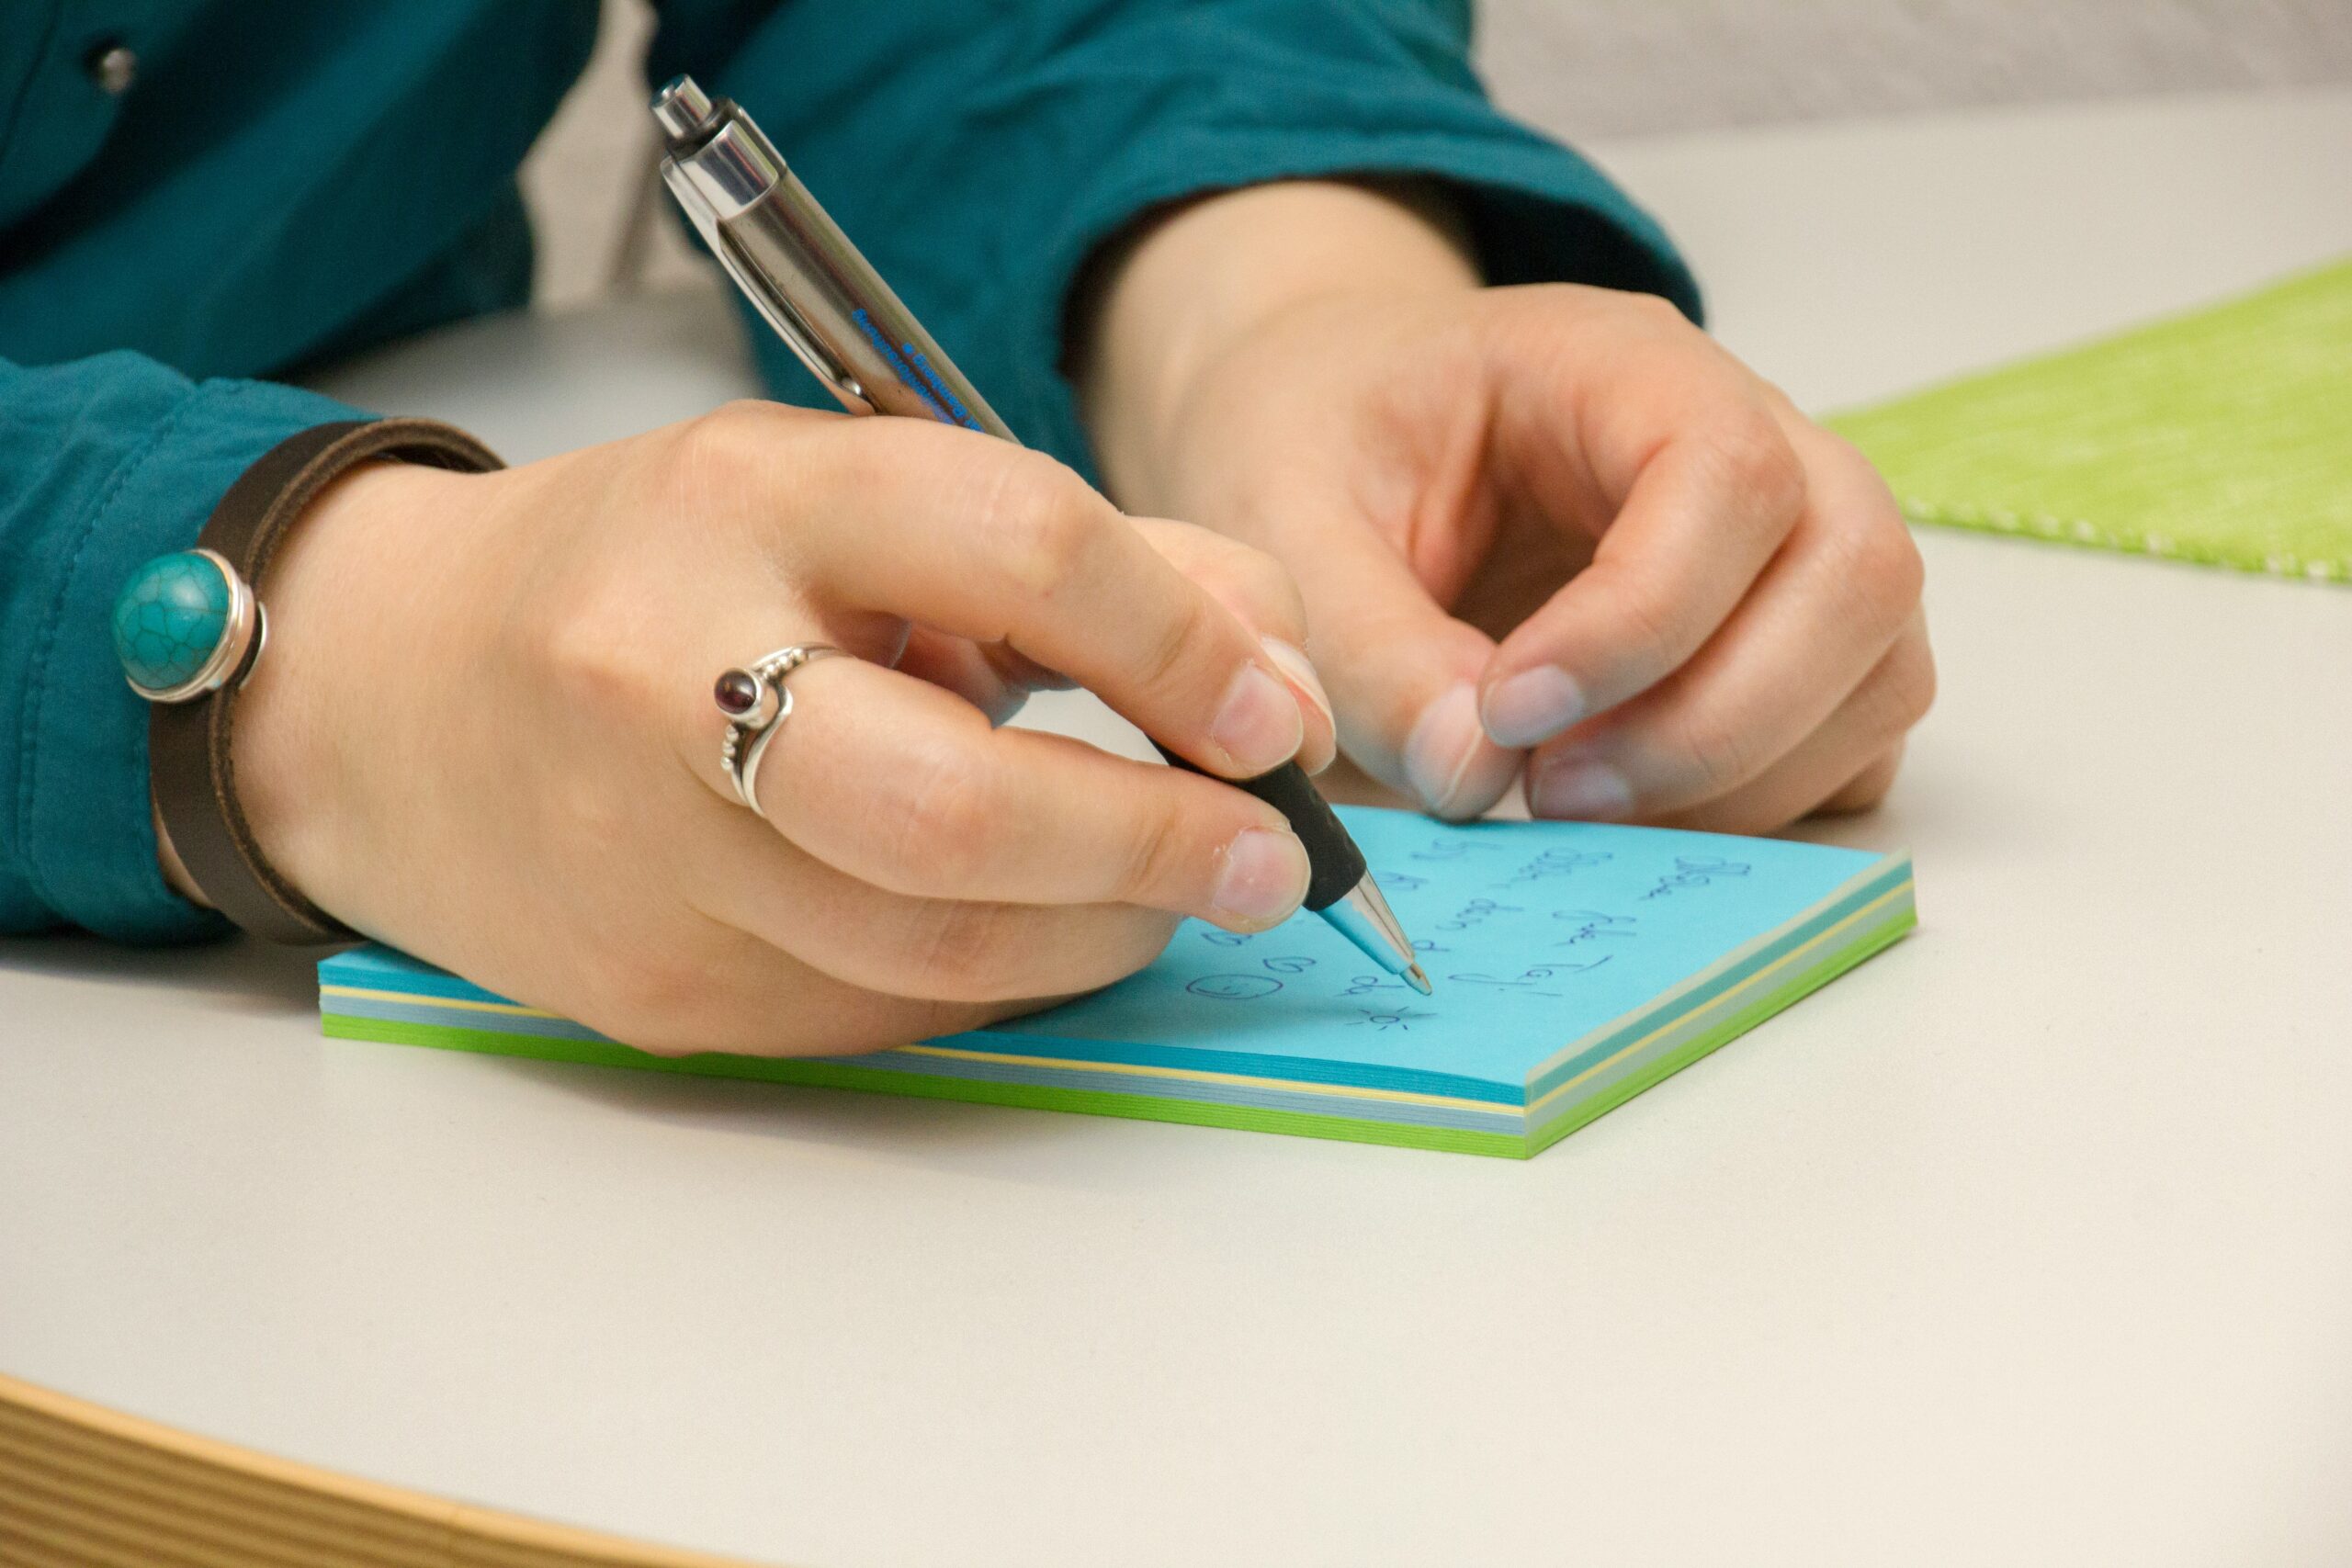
[{"x": 1575, "y": 966}]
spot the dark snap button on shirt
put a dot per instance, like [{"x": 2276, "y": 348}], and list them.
[{"x": 113, "y": 68}]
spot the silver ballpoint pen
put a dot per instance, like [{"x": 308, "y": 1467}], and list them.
[{"x": 806, "y": 279}]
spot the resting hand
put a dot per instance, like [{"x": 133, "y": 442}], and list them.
[
  {"x": 1549, "y": 526},
  {"x": 484, "y": 729}
]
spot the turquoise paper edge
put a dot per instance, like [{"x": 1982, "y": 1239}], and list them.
[
  {"x": 383, "y": 968},
  {"x": 838, "y": 1072}
]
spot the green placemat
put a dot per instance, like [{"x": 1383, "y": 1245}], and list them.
[{"x": 2222, "y": 436}]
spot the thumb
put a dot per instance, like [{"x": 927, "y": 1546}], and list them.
[{"x": 1403, "y": 674}]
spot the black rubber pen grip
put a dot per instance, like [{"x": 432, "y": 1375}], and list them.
[{"x": 1334, "y": 863}]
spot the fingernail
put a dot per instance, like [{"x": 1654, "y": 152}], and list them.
[
  {"x": 1532, "y": 706},
  {"x": 1448, "y": 760},
  {"x": 1581, "y": 791},
  {"x": 1263, "y": 878},
  {"x": 1294, "y": 663},
  {"x": 1258, "y": 725}
]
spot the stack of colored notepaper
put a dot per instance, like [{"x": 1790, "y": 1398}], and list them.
[{"x": 1576, "y": 966}]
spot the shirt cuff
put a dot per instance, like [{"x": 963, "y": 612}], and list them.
[{"x": 89, "y": 832}]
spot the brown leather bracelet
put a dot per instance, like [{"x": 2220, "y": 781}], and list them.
[{"x": 190, "y": 764}]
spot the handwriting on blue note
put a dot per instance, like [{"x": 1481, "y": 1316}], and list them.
[{"x": 1534, "y": 934}]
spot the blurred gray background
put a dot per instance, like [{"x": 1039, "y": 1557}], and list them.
[{"x": 1606, "y": 70}]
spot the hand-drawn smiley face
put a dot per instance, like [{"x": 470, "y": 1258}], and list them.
[{"x": 1235, "y": 988}]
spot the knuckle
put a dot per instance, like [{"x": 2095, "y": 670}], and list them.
[
  {"x": 1278, "y": 596},
  {"x": 1834, "y": 446},
  {"x": 726, "y": 441},
  {"x": 1910, "y": 679},
  {"x": 1263, "y": 583},
  {"x": 1882, "y": 559},
  {"x": 1885, "y": 566},
  {"x": 1896, "y": 695},
  {"x": 1657, "y": 308},
  {"x": 1750, "y": 448},
  {"x": 1045, "y": 529}
]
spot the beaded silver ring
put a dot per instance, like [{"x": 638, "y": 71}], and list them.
[{"x": 756, "y": 701}]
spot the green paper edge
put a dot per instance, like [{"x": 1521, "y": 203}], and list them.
[
  {"x": 1101, "y": 1102},
  {"x": 875, "y": 1080},
  {"x": 1730, "y": 1029}
]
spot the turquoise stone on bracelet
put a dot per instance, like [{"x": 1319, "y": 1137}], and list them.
[{"x": 171, "y": 617}]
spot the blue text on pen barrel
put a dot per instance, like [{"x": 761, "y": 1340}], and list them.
[{"x": 912, "y": 367}]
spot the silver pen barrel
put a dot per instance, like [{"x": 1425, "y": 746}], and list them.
[{"x": 801, "y": 272}]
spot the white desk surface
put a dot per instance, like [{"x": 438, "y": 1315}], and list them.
[{"x": 2029, "y": 1241}]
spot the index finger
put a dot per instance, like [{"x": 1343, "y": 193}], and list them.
[
  {"x": 1714, "y": 491},
  {"x": 988, "y": 541}
]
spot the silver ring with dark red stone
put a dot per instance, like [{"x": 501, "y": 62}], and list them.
[{"x": 756, "y": 702}]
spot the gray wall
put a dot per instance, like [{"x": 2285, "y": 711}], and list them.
[{"x": 1637, "y": 67}]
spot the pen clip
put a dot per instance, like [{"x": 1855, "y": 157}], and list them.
[
  {"x": 787, "y": 322},
  {"x": 805, "y": 344}
]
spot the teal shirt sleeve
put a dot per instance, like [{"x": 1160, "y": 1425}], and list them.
[
  {"x": 979, "y": 153},
  {"x": 354, "y": 179},
  {"x": 351, "y": 178},
  {"x": 107, "y": 460}
]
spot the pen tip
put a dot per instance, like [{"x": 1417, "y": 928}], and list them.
[{"x": 1418, "y": 979}]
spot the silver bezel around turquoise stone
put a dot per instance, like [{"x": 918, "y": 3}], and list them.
[{"x": 158, "y": 631}]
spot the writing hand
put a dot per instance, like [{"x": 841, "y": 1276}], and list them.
[{"x": 483, "y": 730}]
